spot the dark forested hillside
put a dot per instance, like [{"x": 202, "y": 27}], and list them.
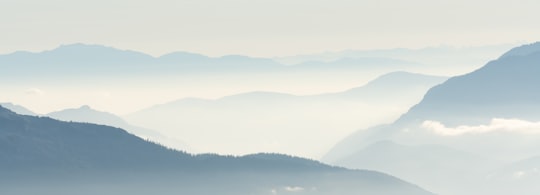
[{"x": 46, "y": 156}]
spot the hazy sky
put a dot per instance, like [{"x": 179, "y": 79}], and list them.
[{"x": 264, "y": 27}]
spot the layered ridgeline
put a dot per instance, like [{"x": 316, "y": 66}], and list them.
[
  {"x": 81, "y": 74},
  {"x": 18, "y": 109},
  {"x": 90, "y": 74},
  {"x": 460, "y": 137},
  {"x": 89, "y": 115},
  {"x": 83, "y": 59},
  {"x": 277, "y": 122},
  {"x": 40, "y": 155},
  {"x": 437, "y": 60}
]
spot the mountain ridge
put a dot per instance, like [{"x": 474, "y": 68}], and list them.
[
  {"x": 289, "y": 117},
  {"x": 75, "y": 156},
  {"x": 459, "y": 113},
  {"x": 86, "y": 114}
]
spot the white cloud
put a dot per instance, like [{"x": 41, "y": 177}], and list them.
[
  {"x": 294, "y": 189},
  {"x": 496, "y": 125},
  {"x": 34, "y": 91}
]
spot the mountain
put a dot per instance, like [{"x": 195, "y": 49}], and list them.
[
  {"x": 46, "y": 156},
  {"x": 74, "y": 59},
  {"x": 523, "y": 50},
  {"x": 440, "y": 60},
  {"x": 96, "y": 60},
  {"x": 432, "y": 165},
  {"x": 521, "y": 176},
  {"x": 384, "y": 89},
  {"x": 490, "y": 112},
  {"x": 78, "y": 53},
  {"x": 502, "y": 88},
  {"x": 280, "y": 122},
  {"x": 363, "y": 63},
  {"x": 89, "y": 115},
  {"x": 18, "y": 109},
  {"x": 79, "y": 74},
  {"x": 525, "y": 169}
]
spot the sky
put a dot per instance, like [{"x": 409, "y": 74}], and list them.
[
  {"x": 264, "y": 28},
  {"x": 257, "y": 28}
]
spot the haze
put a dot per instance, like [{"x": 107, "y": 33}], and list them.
[
  {"x": 269, "y": 97},
  {"x": 265, "y": 28}
]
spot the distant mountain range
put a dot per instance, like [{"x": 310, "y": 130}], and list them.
[
  {"x": 79, "y": 74},
  {"x": 279, "y": 122},
  {"x": 490, "y": 115},
  {"x": 82, "y": 59},
  {"x": 45, "y": 156},
  {"x": 276, "y": 122},
  {"x": 479, "y": 128},
  {"x": 97, "y": 60},
  {"x": 434, "y": 60}
]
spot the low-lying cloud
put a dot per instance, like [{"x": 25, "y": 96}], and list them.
[{"x": 496, "y": 125}]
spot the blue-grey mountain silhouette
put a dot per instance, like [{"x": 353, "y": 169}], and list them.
[
  {"x": 386, "y": 87},
  {"x": 502, "y": 88},
  {"x": 96, "y": 60},
  {"x": 45, "y": 156},
  {"x": 18, "y": 109},
  {"x": 442, "y": 60},
  {"x": 489, "y": 114},
  {"x": 89, "y": 115}
]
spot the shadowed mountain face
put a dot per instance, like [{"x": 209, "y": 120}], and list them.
[
  {"x": 46, "y": 156},
  {"x": 89, "y": 115},
  {"x": 503, "y": 88},
  {"x": 490, "y": 115},
  {"x": 38, "y": 144}
]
